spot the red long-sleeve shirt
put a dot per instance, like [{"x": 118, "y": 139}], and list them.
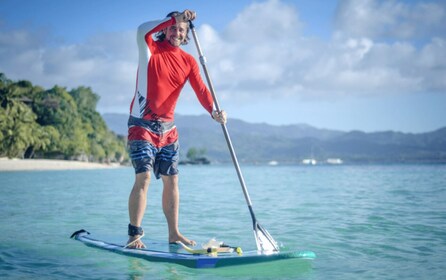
[{"x": 162, "y": 72}]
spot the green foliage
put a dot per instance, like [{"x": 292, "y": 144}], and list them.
[
  {"x": 194, "y": 153},
  {"x": 54, "y": 123}
]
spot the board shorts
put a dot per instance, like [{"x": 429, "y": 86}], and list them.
[{"x": 146, "y": 156}]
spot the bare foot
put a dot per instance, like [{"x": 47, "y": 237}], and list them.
[
  {"x": 180, "y": 237},
  {"x": 135, "y": 242}
]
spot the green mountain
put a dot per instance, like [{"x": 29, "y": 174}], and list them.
[{"x": 261, "y": 143}]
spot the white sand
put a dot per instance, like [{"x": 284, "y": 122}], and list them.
[{"x": 49, "y": 164}]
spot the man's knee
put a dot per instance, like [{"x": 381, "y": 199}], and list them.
[
  {"x": 142, "y": 180},
  {"x": 170, "y": 180}
]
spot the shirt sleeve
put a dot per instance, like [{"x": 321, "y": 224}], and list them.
[
  {"x": 147, "y": 29},
  {"x": 200, "y": 89}
]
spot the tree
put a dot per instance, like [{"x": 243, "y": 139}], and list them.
[
  {"x": 18, "y": 129},
  {"x": 57, "y": 108},
  {"x": 196, "y": 156},
  {"x": 103, "y": 144},
  {"x": 54, "y": 123}
]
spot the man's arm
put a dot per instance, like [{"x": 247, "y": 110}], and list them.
[
  {"x": 151, "y": 27},
  {"x": 203, "y": 93}
]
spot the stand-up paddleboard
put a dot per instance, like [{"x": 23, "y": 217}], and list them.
[{"x": 158, "y": 251}]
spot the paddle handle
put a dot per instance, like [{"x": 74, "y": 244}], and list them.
[{"x": 224, "y": 128}]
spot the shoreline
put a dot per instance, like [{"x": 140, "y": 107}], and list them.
[{"x": 15, "y": 164}]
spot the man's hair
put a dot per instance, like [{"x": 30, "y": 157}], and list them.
[{"x": 160, "y": 36}]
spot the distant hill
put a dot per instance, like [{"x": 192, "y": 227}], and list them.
[{"x": 260, "y": 142}]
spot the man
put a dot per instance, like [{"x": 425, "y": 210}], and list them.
[{"x": 163, "y": 69}]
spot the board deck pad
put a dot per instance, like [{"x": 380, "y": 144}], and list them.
[{"x": 159, "y": 251}]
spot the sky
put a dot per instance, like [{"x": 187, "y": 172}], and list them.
[{"x": 370, "y": 65}]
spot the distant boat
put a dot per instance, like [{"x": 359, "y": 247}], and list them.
[
  {"x": 309, "y": 161},
  {"x": 273, "y": 162},
  {"x": 334, "y": 161}
]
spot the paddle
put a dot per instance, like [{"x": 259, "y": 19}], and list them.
[{"x": 264, "y": 241}]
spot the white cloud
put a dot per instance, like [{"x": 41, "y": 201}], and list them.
[
  {"x": 378, "y": 47},
  {"x": 270, "y": 20},
  {"x": 263, "y": 53},
  {"x": 106, "y": 63},
  {"x": 390, "y": 19},
  {"x": 255, "y": 51}
]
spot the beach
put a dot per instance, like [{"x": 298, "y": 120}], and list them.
[{"x": 7, "y": 164}]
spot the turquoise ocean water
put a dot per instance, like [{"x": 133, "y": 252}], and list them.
[{"x": 363, "y": 222}]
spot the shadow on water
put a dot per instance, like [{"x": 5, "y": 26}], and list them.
[{"x": 283, "y": 269}]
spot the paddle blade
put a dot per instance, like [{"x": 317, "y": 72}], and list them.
[{"x": 264, "y": 240}]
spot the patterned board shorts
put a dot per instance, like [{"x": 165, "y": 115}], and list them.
[
  {"x": 147, "y": 150},
  {"x": 146, "y": 157}
]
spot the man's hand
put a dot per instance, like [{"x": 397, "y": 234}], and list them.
[
  {"x": 186, "y": 16},
  {"x": 220, "y": 117}
]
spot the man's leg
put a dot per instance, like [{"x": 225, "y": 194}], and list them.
[
  {"x": 137, "y": 204},
  {"x": 171, "y": 205}
]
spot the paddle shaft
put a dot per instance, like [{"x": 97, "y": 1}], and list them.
[{"x": 223, "y": 126}]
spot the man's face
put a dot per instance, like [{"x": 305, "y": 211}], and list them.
[{"x": 176, "y": 33}]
